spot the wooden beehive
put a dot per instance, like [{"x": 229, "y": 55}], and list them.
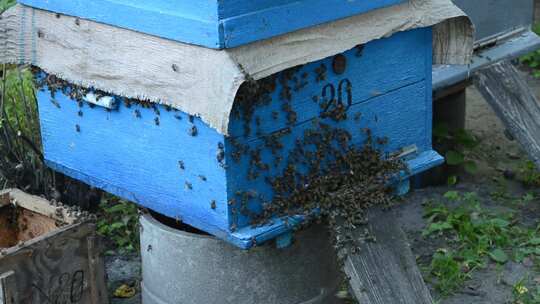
[
  {"x": 48, "y": 253},
  {"x": 177, "y": 165},
  {"x": 212, "y": 23}
]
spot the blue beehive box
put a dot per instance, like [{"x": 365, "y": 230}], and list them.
[
  {"x": 179, "y": 166},
  {"x": 212, "y": 23}
]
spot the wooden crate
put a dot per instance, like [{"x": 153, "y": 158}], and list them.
[
  {"x": 212, "y": 23},
  {"x": 48, "y": 253}
]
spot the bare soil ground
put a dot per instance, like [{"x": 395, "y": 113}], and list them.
[{"x": 498, "y": 158}]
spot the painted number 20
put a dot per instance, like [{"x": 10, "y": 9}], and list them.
[{"x": 329, "y": 96}]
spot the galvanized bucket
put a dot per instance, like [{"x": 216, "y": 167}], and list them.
[{"x": 181, "y": 267}]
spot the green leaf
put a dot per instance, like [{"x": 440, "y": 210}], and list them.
[
  {"x": 501, "y": 223},
  {"x": 471, "y": 167},
  {"x": 117, "y": 225},
  {"x": 441, "y": 131},
  {"x": 452, "y": 180},
  {"x": 454, "y": 158},
  {"x": 452, "y": 195},
  {"x": 498, "y": 256},
  {"x": 116, "y": 208},
  {"x": 534, "y": 241},
  {"x": 437, "y": 227}
]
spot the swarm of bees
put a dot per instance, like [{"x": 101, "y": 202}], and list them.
[{"x": 325, "y": 175}]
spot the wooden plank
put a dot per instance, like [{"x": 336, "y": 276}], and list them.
[
  {"x": 515, "y": 104},
  {"x": 53, "y": 268},
  {"x": 7, "y": 288},
  {"x": 259, "y": 24},
  {"x": 214, "y": 24},
  {"x": 36, "y": 204},
  {"x": 98, "y": 286},
  {"x": 385, "y": 271}
]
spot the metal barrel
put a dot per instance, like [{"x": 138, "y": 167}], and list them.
[{"x": 180, "y": 267}]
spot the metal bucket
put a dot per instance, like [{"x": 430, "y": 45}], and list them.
[{"x": 180, "y": 267}]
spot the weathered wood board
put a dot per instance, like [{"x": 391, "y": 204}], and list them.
[
  {"x": 213, "y": 24},
  {"x": 515, "y": 104},
  {"x": 385, "y": 271},
  {"x": 57, "y": 263}
]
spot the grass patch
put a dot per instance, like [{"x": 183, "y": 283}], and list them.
[
  {"x": 532, "y": 59},
  {"x": 528, "y": 174},
  {"x": 5, "y": 4},
  {"x": 458, "y": 146},
  {"x": 477, "y": 237},
  {"x": 21, "y": 158}
]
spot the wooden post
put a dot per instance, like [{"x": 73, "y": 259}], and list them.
[
  {"x": 385, "y": 271},
  {"x": 515, "y": 104}
]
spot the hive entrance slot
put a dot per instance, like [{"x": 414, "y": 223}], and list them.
[
  {"x": 176, "y": 224},
  {"x": 21, "y": 225}
]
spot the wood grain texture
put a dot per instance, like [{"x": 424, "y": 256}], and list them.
[
  {"x": 515, "y": 104},
  {"x": 53, "y": 268},
  {"x": 35, "y": 204},
  {"x": 385, "y": 271},
  {"x": 52, "y": 271},
  {"x": 7, "y": 288},
  {"x": 214, "y": 24}
]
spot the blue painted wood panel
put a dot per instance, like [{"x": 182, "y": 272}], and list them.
[
  {"x": 136, "y": 153},
  {"x": 272, "y": 21},
  {"x": 188, "y": 21},
  {"x": 212, "y": 23},
  {"x": 177, "y": 165},
  {"x": 375, "y": 69}
]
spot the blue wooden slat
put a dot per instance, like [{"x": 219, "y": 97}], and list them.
[
  {"x": 276, "y": 20},
  {"x": 177, "y": 20},
  {"x": 212, "y": 23}
]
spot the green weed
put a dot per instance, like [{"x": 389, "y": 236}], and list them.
[
  {"x": 5, "y": 4},
  {"x": 458, "y": 146},
  {"x": 476, "y": 237},
  {"x": 524, "y": 295},
  {"x": 21, "y": 158},
  {"x": 528, "y": 174},
  {"x": 118, "y": 222},
  {"x": 533, "y": 59}
]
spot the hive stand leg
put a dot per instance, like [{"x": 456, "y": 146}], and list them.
[
  {"x": 511, "y": 98},
  {"x": 385, "y": 271}
]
